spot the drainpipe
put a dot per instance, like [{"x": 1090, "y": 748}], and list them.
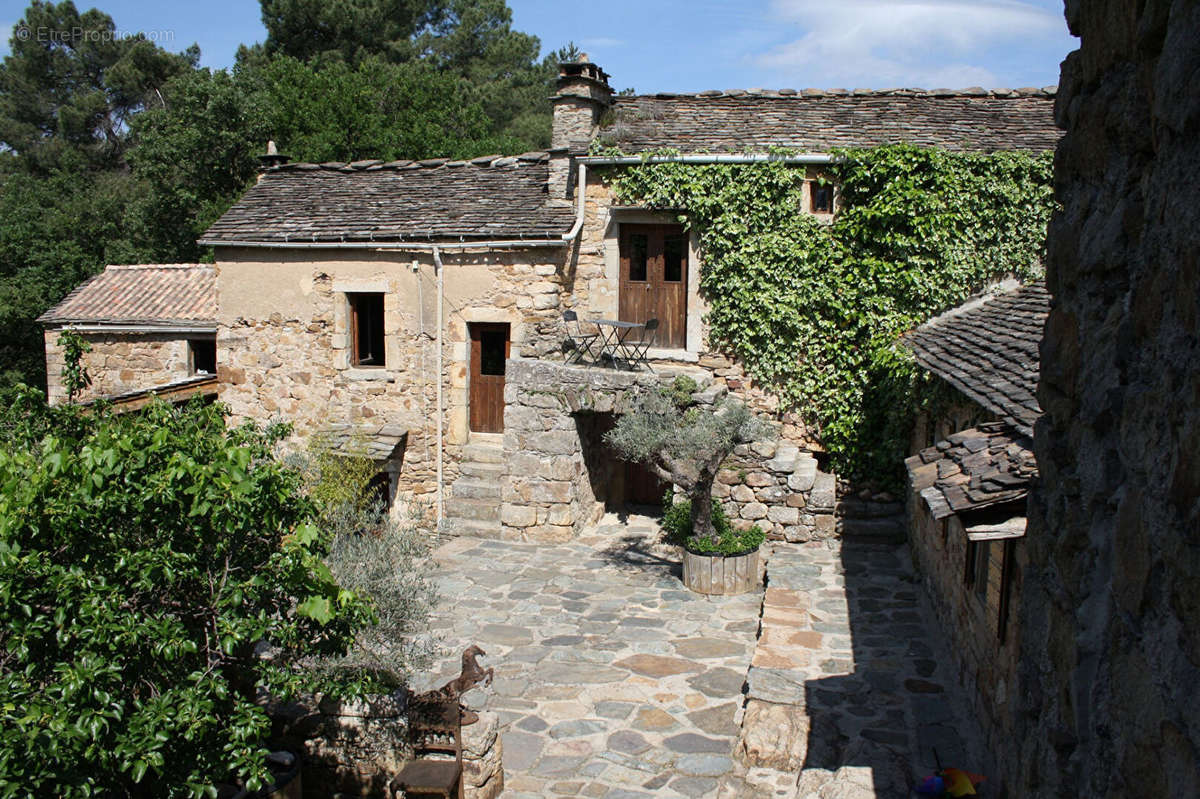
[
  {"x": 580, "y": 192},
  {"x": 437, "y": 262}
]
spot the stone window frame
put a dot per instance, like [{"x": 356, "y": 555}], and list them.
[
  {"x": 342, "y": 344},
  {"x": 697, "y": 308}
]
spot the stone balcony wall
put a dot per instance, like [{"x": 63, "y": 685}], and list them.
[{"x": 557, "y": 472}]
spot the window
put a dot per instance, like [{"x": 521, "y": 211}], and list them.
[
  {"x": 202, "y": 356},
  {"x": 639, "y": 255},
  {"x": 366, "y": 329},
  {"x": 820, "y": 197},
  {"x": 675, "y": 258}
]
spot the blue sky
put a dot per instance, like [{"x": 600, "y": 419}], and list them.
[{"x": 692, "y": 45}]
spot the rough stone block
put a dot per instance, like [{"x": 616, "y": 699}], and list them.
[
  {"x": 773, "y": 736},
  {"x": 824, "y": 492},
  {"x": 754, "y": 510},
  {"x": 804, "y": 475},
  {"x": 783, "y": 515},
  {"x": 741, "y": 493},
  {"x": 759, "y": 479}
]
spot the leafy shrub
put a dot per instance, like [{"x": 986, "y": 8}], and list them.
[
  {"x": 145, "y": 560},
  {"x": 677, "y": 524},
  {"x": 380, "y": 558}
]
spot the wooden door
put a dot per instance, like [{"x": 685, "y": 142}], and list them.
[
  {"x": 653, "y": 285},
  {"x": 490, "y": 348}
]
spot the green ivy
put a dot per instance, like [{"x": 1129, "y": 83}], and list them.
[{"x": 814, "y": 309}]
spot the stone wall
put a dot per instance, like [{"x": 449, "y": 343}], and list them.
[
  {"x": 985, "y": 666},
  {"x": 120, "y": 362},
  {"x": 1110, "y": 621}
]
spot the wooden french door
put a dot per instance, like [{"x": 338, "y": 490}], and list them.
[
  {"x": 654, "y": 267},
  {"x": 490, "y": 348}
]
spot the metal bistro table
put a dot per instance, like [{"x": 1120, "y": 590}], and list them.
[{"x": 612, "y": 339}]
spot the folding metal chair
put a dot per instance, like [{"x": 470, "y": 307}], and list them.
[
  {"x": 635, "y": 351},
  {"x": 577, "y": 343},
  {"x": 435, "y": 727}
]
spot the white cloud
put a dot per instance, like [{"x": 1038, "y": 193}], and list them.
[{"x": 930, "y": 43}]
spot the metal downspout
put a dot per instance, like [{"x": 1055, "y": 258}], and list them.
[{"x": 437, "y": 262}]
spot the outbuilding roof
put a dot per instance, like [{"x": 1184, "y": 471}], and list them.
[
  {"x": 988, "y": 350},
  {"x": 163, "y": 295},
  {"x": 492, "y": 197},
  {"x": 818, "y": 121},
  {"x": 975, "y": 469}
]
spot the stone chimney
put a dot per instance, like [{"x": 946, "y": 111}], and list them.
[
  {"x": 582, "y": 97},
  {"x": 272, "y": 158}
]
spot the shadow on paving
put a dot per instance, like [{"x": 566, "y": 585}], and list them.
[
  {"x": 888, "y": 701},
  {"x": 636, "y": 551}
]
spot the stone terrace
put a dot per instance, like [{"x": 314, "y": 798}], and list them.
[{"x": 614, "y": 681}]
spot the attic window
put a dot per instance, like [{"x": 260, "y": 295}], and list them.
[
  {"x": 202, "y": 356},
  {"x": 366, "y": 329},
  {"x": 820, "y": 196}
]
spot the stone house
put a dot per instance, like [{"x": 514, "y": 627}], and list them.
[
  {"x": 427, "y": 298},
  {"x": 969, "y": 483},
  {"x": 151, "y": 327}
]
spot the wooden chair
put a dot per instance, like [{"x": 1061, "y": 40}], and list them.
[
  {"x": 636, "y": 350},
  {"x": 435, "y": 728},
  {"x": 577, "y": 343}
]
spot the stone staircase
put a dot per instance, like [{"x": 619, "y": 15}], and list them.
[{"x": 472, "y": 507}]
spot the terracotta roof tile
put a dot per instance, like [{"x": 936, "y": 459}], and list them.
[
  {"x": 989, "y": 351},
  {"x": 142, "y": 294},
  {"x": 813, "y": 120},
  {"x": 487, "y": 198}
]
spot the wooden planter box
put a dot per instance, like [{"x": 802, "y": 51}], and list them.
[{"x": 720, "y": 574}]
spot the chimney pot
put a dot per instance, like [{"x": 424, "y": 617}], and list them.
[{"x": 272, "y": 157}]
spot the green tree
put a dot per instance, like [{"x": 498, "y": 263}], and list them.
[
  {"x": 159, "y": 574},
  {"x": 70, "y": 85}
]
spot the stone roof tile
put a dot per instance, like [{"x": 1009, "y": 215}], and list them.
[
  {"x": 974, "y": 469},
  {"x": 988, "y": 349},
  {"x": 435, "y": 199},
  {"x": 819, "y": 120}
]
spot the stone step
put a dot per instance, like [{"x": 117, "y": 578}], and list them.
[
  {"x": 483, "y": 471},
  {"x": 479, "y": 510},
  {"x": 890, "y": 530},
  {"x": 472, "y": 528},
  {"x": 480, "y": 452},
  {"x": 476, "y": 489}
]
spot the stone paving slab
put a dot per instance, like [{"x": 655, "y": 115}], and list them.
[
  {"x": 611, "y": 679},
  {"x": 847, "y": 685}
]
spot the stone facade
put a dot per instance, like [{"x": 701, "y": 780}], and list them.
[
  {"x": 1110, "y": 620},
  {"x": 283, "y": 341},
  {"x": 121, "y": 362}
]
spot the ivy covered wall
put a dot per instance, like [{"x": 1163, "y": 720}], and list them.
[{"x": 815, "y": 309}]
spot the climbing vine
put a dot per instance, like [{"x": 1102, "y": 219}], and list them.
[{"x": 814, "y": 309}]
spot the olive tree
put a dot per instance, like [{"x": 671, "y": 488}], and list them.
[{"x": 684, "y": 443}]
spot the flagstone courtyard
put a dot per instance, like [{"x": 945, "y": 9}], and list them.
[{"x": 612, "y": 680}]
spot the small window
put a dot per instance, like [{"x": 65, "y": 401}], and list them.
[
  {"x": 675, "y": 255},
  {"x": 820, "y": 197},
  {"x": 202, "y": 356},
  {"x": 639, "y": 252},
  {"x": 366, "y": 329}
]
